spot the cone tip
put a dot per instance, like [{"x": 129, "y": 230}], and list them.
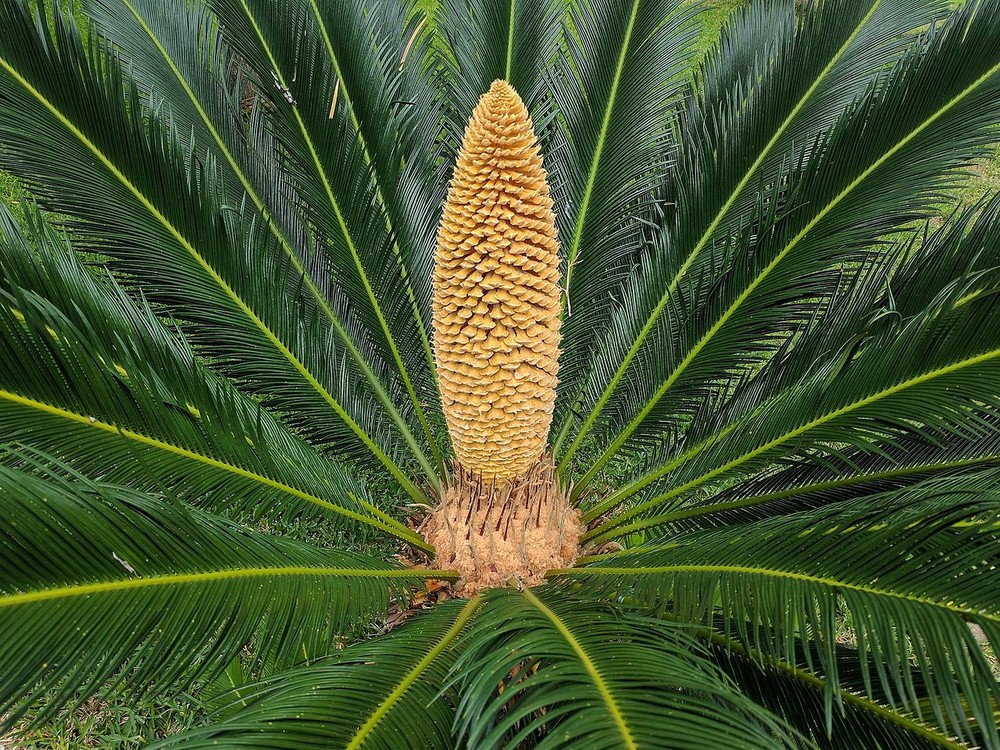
[{"x": 501, "y": 90}]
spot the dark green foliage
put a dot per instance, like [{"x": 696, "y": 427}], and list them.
[
  {"x": 97, "y": 577},
  {"x": 590, "y": 674},
  {"x": 781, "y": 362}
]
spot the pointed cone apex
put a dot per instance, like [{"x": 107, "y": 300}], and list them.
[{"x": 496, "y": 293}]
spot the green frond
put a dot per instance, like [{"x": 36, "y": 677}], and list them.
[
  {"x": 178, "y": 53},
  {"x": 178, "y": 59},
  {"x": 105, "y": 585},
  {"x": 564, "y": 672},
  {"x": 90, "y": 375},
  {"x": 930, "y": 373},
  {"x": 382, "y": 694},
  {"x": 142, "y": 201},
  {"x": 820, "y": 480},
  {"x": 479, "y": 41},
  {"x": 796, "y": 694},
  {"x": 913, "y": 568},
  {"x": 331, "y": 78},
  {"x": 759, "y": 258},
  {"x": 616, "y": 88},
  {"x": 875, "y": 303},
  {"x": 372, "y": 88}
]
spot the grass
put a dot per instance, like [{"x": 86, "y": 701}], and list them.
[
  {"x": 122, "y": 722},
  {"x": 713, "y": 17},
  {"x": 984, "y": 178},
  {"x": 11, "y": 195},
  {"x": 119, "y": 724}
]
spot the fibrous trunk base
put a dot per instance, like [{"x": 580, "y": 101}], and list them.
[{"x": 503, "y": 534}]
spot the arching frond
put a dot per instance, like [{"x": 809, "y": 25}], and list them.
[
  {"x": 385, "y": 693},
  {"x": 913, "y": 568},
  {"x": 616, "y": 88},
  {"x": 928, "y": 374},
  {"x": 765, "y": 269},
  {"x": 561, "y": 672},
  {"x": 90, "y": 375},
  {"x": 878, "y": 301},
  {"x": 796, "y": 694},
  {"x": 821, "y": 480},
  {"x": 955, "y": 266},
  {"x": 105, "y": 585},
  {"x": 332, "y": 79},
  {"x": 143, "y": 202},
  {"x": 178, "y": 53}
]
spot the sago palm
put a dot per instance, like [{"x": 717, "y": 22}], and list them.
[{"x": 664, "y": 376}]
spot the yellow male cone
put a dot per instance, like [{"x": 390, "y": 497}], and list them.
[{"x": 496, "y": 294}]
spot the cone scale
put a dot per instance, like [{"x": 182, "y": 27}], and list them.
[{"x": 496, "y": 321}]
